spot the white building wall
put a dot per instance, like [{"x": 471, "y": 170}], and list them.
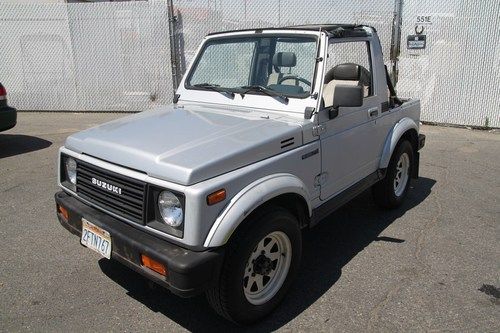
[
  {"x": 115, "y": 56},
  {"x": 457, "y": 76},
  {"x": 85, "y": 56},
  {"x": 30, "y": 1}
]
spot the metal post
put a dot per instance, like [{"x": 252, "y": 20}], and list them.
[
  {"x": 396, "y": 39},
  {"x": 245, "y": 9},
  {"x": 279, "y": 13},
  {"x": 173, "y": 44}
]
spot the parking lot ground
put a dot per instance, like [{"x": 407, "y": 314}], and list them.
[{"x": 432, "y": 265}]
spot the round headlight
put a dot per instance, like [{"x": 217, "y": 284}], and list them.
[
  {"x": 71, "y": 170},
  {"x": 170, "y": 209}
]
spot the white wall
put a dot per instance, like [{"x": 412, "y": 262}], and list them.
[
  {"x": 116, "y": 55},
  {"x": 85, "y": 56},
  {"x": 31, "y": 1},
  {"x": 457, "y": 76}
]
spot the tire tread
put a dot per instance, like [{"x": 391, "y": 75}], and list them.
[
  {"x": 217, "y": 296},
  {"x": 383, "y": 192}
]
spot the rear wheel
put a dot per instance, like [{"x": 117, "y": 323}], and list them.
[
  {"x": 391, "y": 191},
  {"x": 261, "y": 262}
]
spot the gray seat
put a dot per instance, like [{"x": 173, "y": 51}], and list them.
[
  {"x": 282, "y": 60},
  {"x": 347, "y": 74}
]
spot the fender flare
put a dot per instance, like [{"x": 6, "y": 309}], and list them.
[
  {"x": 248, "y": 199},
  {"x": 393, "y": 137}
]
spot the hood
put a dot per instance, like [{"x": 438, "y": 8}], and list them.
[{"x": 189, "y": 144}]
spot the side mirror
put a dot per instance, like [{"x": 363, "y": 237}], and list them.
[{"x": 346, "y": 96}]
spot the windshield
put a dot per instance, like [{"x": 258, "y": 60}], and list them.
[{"x": 262, "y": 64}]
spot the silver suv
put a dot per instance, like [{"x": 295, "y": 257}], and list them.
[{"x": 271, "y": 130}]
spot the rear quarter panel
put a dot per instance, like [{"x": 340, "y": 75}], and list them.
[{"x": 393, "y": 124}]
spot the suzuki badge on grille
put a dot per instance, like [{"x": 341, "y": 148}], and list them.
[{"x": 106, "y": 186}]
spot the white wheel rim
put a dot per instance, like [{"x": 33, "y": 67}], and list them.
[
  {"x": 267, "y": 268},
  {"x": 402, "y": 174}
]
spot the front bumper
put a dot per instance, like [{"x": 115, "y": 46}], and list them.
[
  {"x": 189, "y": 272},
  {"x": 8, "y": 118}
]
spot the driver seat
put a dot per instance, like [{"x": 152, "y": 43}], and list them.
[{"x": 280, "y": 60}]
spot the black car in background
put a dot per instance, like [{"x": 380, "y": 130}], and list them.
[{"x": 8, "y": 115}]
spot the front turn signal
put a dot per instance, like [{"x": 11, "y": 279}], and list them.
[
  {"x": 216, "y": 197},
  {"x": 63, "y": 211},
  {"x": 154, "y": 265}
]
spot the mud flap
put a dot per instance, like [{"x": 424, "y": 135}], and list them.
[{"x": 416, "y": 165}]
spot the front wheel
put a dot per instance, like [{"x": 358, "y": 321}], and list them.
[
  {"x": 391, "y": 191},
  {"x": 261, "y": 262}
]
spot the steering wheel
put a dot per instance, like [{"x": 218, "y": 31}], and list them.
[{"x": 294, "y": 77}]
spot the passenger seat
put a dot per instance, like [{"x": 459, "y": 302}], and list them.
[{"x": 346, "y": 74}]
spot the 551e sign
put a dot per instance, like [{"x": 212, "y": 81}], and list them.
[
  {"x": 419, "y": 40},
  {"x": 423, "y": 20}
]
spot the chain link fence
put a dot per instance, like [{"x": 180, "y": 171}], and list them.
[
  {"x": 457, "y": 75},
  {"x": 115, "y": 56},
  {"x": 195, "y": 19},
  {"x": 85, "y": 56}
]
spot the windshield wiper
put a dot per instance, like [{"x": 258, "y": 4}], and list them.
[
  {"x": 267, "y": 91},
  {"x": 215, "y": 87}
]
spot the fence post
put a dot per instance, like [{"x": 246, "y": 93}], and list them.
[
  {"x": 173, "y": 44},
  {"x": 397, "y": 22}
]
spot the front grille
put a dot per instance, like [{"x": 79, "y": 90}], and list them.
[{"x": 129, "y": 203}]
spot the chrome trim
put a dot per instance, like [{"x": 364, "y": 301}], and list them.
[
  {"x": 126, "y": 172},
  {"x": 133, "y": 224}
]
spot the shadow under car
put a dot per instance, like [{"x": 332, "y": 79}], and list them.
[
  {"x": 327, "y": 248},
  {"x": 17, "y": 144}
]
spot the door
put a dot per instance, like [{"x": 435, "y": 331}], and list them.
[{"x": 349, "y": 151}]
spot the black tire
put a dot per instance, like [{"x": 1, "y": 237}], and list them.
[
  {"x": 383, "y": 192},
  {"x": 227, "y": 298}
]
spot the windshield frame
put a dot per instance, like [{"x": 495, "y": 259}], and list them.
[{"x": 250, "y": 36}]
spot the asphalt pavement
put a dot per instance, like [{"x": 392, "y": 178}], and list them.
[{"x": 432, "y": 265}]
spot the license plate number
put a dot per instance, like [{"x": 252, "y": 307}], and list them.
[{"x": 96, "y": 238}]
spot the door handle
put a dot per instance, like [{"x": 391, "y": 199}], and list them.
[{"x": 373, "y": 112}]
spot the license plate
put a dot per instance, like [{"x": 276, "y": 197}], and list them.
[{"x": 96, "y": 238}]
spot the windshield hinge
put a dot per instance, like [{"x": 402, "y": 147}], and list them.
[
  {"x": 176, "y": 98},
  {"x": 318, "y": 129},
  {"x": 319, "y": 59}
]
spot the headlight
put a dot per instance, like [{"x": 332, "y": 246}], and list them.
[
  {"x": 170, "y": 209},
  {"x": 71, "y": 170}
]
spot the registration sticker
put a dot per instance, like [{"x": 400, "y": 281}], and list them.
[{"x": 96, "y": 238}]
